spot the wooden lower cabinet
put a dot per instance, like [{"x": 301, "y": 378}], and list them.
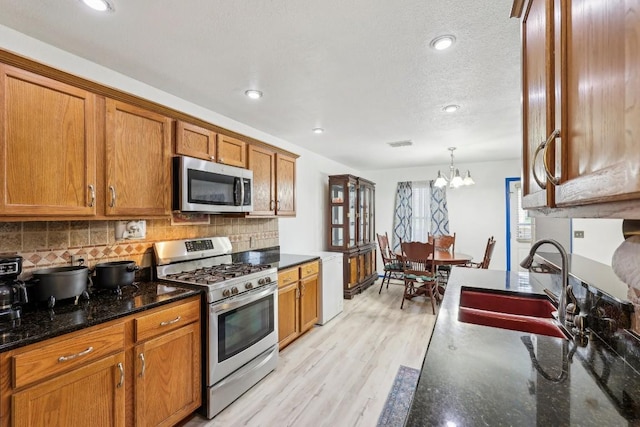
[
  {"x": 359, "y": 270},
  {"x": 144, "y": 370},
  {"x": 89, "y": 396},
  {"x": 297, "y": 301},
  {"x": 167, "y": 387}
]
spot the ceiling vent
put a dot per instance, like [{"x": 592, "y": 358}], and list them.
[{"x": 400, "y": 143}]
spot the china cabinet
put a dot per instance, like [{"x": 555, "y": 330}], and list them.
[{"x": 351, "y": 229}]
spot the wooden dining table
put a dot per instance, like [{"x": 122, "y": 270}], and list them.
[{"x": 446, "y": 258}]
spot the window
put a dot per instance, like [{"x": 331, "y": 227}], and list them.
[{"x": 421, "y": 212}]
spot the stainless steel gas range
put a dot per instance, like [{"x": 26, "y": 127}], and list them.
[{"x": 240, "y": 323}]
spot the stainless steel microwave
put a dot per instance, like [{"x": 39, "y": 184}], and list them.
[{"x": 208, "y": 187}]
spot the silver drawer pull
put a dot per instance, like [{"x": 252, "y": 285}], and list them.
[
  {"x": 170, "y": 322},
  {"x": 144, "y": 364},
  {"x": 121, "y": 368},
  {"x": 73, "y": 356}
]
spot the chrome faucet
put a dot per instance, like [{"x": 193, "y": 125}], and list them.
[{"x": 564, "y": 271}]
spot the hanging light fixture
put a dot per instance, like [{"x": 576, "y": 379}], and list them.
[{"x": 454, "y": 180}]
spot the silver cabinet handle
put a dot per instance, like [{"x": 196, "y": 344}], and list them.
[
  {"x": 220, "y": 160},
  {"x": 121, "y": 368},
  {"x": 277, "y": 205},
  {"x": 212, "y": 158},
  {"x": 92, "y": 195},
  {"x": 544, "y": 147},
  {"x": 113, "y": 196},
  {"x": 272, "y": 205},
  {"x": 170, "y": 322},
  {"x": 144, "y": 364},
  {"x": 73, "y": 356}
]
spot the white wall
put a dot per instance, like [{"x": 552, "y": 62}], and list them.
[
  {"x": 304, "y": 233},
  {"x": 475, "y": 213},
  {"x": 601, "y": 238}
]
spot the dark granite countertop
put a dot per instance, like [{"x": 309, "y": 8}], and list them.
[
  {"x": 273, "y": 257},
  {"x": 39, "y": 323},
  {"x": 478, "y": 375}
]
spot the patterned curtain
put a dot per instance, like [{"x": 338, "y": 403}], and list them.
[
  {"x": 402, "y": 216},
  {"x": 439, "y": 211}
]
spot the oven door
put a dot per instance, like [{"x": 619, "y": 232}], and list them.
[{"x": 240, "y": 329}]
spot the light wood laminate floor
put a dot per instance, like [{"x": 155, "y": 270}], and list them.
[{"x": 338, "y": 374}]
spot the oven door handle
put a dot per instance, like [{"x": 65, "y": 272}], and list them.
[{"x": 242, "y": 299}]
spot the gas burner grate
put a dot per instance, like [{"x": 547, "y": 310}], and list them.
[{"x": 218, "y": 273}]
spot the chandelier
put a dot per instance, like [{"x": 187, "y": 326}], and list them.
[{"x": 454, "y": 180}]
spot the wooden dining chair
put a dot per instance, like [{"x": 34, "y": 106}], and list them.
[
  {"x": 488, "y": 253},
  {"x": 444, "y": 243},
  {"x": 392, "y": 265},
  {"x": 419, "y": 272}
]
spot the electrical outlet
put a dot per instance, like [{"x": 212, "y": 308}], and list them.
[
  {"x": 578, "y": 234},
  {"x": 131, "y": 229},
  {"x": 78, "y": 260}
]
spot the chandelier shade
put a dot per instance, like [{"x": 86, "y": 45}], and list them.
[{"x": 454, "y": 180}]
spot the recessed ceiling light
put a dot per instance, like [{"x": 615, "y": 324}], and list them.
[
  {"x": 253, "y": 94},
  {"x": 451, "y": 108},
  {"x": 317, "y": 130},
  {"x": 100, "y": 5},
  {"x": 443, "y": 42}
]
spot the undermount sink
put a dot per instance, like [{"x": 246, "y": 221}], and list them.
[{"x": 518, "y": 313}]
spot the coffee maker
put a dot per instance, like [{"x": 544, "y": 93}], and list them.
[{"x": 13, "y": 292}]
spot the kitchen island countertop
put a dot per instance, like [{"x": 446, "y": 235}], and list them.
[{"x": 479, "y": 375}]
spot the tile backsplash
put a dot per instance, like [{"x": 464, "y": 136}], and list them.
[{"x": 52, "y": 243}]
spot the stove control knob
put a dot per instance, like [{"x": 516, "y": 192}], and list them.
[
  {"x": 226, "y": 293},
  {"x": 261, "y": 281},
  {"x": 267, "y": 280},
  {"x": 248, "y": 285},
  {"x": 234, "y": 290}
]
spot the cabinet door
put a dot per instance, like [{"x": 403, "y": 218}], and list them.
[
  {"x": 262, "y": 162},
  {"x": 89, "y": 396},
  {"x": 352, "y": 265},
  {"x": 168, "y": 373},
  {"x": 47, "y": 146},
  {"x": 308, "y": 302},
  {"x": 603, "y": 114},
  {"x": 195, "y": 141},
  {"x": 138, "y": 169},
  {"x": 285, "y": 185},
  {"x": 232, "y": 151},
  {"x": 288, "y": 314},
  {"x": 538, "y": 100}
]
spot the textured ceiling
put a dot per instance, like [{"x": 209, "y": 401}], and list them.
[{"x": 361, "y": 69}]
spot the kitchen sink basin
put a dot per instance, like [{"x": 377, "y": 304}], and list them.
[{"x": 517, "y": 313}]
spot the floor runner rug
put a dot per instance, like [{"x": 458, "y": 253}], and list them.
[{"x": 396, "y": 407}]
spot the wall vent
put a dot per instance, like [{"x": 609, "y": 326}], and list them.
[{"x": 400, "y": 143}]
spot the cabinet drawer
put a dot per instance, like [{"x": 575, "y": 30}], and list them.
[
  {"x": 162, "y": 321},
  {"x": 49, "y": 359},
  {"x": 309, "y": 269},
  {"x": 286, "y": 277}
]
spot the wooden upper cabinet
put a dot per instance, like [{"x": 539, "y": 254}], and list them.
[
  {"x": 262, "y": 162},
  {"x": 538, "y": 65},
  {"x": 581, "y": 85},
  {"x": 47, "y": 146},
  {"x": 195, "y": 141},
  {"x": 232, "y": 151},
  {"x": 138, "y": 161},
  {"x": 285, "y": 185},
  {"x": 601, "y": 126}
]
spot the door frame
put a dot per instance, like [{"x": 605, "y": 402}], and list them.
[{"x": 507, "y": 183}]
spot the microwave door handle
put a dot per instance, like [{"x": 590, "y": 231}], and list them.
[
  {"x": 242, "y": 180},
  {"x": 237, "y": 189}
]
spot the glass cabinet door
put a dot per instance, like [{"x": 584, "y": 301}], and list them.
[
  {"x": 337, "y": 192},
  {"x": 352, "y": 216}
]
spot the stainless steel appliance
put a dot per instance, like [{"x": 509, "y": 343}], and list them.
[
  {"x": 203, "y": 186},
  {"x": 240, "y": 321},
  {"x": 13, "y": 292}
]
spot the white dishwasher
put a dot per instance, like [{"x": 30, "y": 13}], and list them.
[{"x": 331, "y": 300}]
